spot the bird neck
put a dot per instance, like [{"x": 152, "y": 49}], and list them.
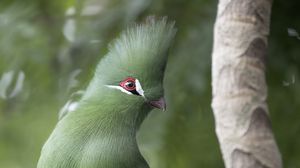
[
  {"x": 118, "y": 119},
  {"x": 111, "y": 130},
  {"x": 112, "y": 113}
]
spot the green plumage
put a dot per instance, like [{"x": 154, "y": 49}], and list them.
[{"x": 101, "y": 132}]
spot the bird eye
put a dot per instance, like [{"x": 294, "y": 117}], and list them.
[{"x": 128, "y": 84}]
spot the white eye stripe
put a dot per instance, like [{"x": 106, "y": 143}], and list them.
[
  {"x": 119, "y": 88},
  {"x": 139, "y": 88}
]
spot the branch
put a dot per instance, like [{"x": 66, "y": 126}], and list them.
[{"x": 239, "y": 86}]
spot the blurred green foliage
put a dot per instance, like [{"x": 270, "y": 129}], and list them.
[{"x": 56, "y": 45}]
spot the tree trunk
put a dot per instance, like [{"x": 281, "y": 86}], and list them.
[{"x": 239, "y": 87}]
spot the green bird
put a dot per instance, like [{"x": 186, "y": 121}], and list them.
[{"x": 128, "y": 83}]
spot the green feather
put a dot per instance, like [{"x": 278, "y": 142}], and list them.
[{"x": 101, "y": 132}]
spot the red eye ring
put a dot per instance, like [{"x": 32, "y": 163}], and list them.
[{"x": 128, "y": 84}]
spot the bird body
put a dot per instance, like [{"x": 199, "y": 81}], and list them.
[
  {"x": 92, "y": 139},
  {"x": 101, "y": 131}
]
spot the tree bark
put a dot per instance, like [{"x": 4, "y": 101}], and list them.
[{"x": 239, "y": 86}]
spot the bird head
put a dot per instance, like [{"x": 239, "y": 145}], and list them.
[{"x": 132, "y": 71}]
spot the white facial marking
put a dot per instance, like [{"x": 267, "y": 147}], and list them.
[
  {"x": 138, "y": 88},
  {"x": 119, "y": 88}
]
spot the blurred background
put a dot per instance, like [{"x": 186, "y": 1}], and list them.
[{"x": 49, "y": 49}]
